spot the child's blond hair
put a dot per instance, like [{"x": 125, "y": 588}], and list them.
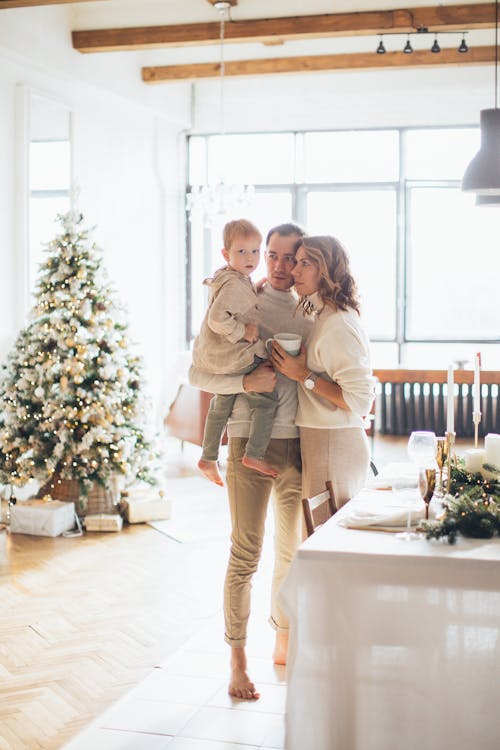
[{"x": 239, "y": 228}]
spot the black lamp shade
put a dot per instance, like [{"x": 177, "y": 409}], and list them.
[{"x": 482, "y": 176}]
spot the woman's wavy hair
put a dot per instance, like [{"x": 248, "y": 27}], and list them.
[{"x": 337, "y": 287}]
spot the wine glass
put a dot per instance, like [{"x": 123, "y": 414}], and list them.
[
  {"x": 426, "y": 485},
  {"x": 441, "y": 459},
  {"x": 422, "y": 449},
  {"x": 406, "y": 490}
]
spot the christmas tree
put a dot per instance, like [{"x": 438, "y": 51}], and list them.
[{"x": 71, "y": 394}]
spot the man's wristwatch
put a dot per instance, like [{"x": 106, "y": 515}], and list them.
[{"x": 310, "y": 381}]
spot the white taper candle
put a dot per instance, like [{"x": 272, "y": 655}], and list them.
[{"x": 476, "y": 393}]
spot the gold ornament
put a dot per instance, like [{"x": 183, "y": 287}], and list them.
[{"x": 64, "y": 383}]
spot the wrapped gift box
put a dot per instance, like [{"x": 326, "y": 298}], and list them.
[
  {"x": 103, "y": 522},
  {"x": 42, "y": 518},
  {"x": 145, "y": 505}
]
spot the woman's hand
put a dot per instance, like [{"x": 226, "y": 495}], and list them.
[{"x": 294, "y": 368}]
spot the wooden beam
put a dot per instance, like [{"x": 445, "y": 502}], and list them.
[
  {"x": 32, "y": 3},
  {"x": 436, "y": 18},
  {"x": 316, "y": 63}
]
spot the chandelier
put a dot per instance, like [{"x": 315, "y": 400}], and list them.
[{"x": 219, "y": 199}]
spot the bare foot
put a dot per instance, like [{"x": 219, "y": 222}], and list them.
[
  {"x": 259, "y": 465},
  {"x": 280, "y": 647},
  {"x": 211, "y": 471},
  {"x": 240, "y": 684}
]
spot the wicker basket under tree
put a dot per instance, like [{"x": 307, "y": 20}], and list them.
[{"x": 98, "y": 499}]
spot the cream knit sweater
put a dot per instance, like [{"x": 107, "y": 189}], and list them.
[
  {"x": 337, "y": 350},
  {"x": 276, "y": 314}
]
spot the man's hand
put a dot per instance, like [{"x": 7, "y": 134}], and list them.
[
  {"x": 260, "y": 380},
  {"x": 251, "y": 333}
]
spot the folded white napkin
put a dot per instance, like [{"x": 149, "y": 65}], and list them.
[
  {"x": 386, "y": 476},
  {"x": 386, "y": 512}
]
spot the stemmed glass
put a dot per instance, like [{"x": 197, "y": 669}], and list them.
[
  {"x": 422, "y": 449},
  {"x": 441, "y": 459},
  {"x": 406, "y": 490}
]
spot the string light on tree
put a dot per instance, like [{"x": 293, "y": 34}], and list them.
[{"x": 62, "y": 403}]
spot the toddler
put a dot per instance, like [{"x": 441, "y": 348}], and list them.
[{"x": 229, "y": 344}]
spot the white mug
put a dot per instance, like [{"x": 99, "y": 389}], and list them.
[{"x": 290, "y": 342}]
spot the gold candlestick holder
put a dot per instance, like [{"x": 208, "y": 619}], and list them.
[
  {"x": 476, "y": 418},
  {"x": 450, "y": 442}
]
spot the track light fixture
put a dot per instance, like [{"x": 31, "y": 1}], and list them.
[{"x": 435, "y": 49}]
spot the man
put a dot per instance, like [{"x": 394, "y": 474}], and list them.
[{"x": 248, "y": 490}]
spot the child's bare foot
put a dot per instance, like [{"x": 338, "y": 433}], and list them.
[
  {"x": 280, "y": 647},
  {"x": 240, "y": 684},
  {"x": 259, "y": 465},
  {"x": 211, "y": 471}
]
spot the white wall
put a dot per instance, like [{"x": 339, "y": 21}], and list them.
[
  {"x": 347, "y": 99},
  {"x": 129, "y": 166}
]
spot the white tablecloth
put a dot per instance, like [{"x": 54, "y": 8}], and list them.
[{"x": 394, "y": 645}]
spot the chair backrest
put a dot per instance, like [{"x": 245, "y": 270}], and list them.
[{"x": 319, "y": 508}]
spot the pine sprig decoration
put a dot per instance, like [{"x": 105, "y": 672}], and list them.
[
  {"x": 72, "y": 401},
  {"x": 472, "y": 508}
]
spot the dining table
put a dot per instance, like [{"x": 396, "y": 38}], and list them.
[{"x": 394, "y": 644}]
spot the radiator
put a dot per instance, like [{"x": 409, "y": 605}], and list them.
[{"x": 404, "y": 407}]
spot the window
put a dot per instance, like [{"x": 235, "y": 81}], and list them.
[
  {"x": 370, "y": 243},
  {"x": 452, "y": 244},
  {"x": 49, "y": 160},
  {"x": 423, "y": 255}
]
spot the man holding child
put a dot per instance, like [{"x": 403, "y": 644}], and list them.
[{"x": 249, "y": 489}]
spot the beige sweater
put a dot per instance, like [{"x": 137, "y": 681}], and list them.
[
  {"x": 277, "y": 314},
  {"x": 337, "y": 350},
  {"x": 220, "y": 348}
]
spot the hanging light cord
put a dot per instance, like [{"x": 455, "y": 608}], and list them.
[
  {"x": 496, "y": 54},
  {"x": 222, "y": 12}
]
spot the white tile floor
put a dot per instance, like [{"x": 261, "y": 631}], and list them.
[{"x": 183, "y": 704}]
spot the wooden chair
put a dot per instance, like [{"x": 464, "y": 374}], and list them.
[{"x": 319, "y": 508}]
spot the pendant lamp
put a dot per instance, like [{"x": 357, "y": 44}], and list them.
[
  {"x": 482, "y": 176},
  {"x": 487, "y": 200}
]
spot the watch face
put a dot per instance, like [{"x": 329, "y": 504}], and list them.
[{"x": 309, "y": 384}]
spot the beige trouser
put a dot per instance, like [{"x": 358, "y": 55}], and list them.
[
  {"x": 249, "y": 494},
  {"x": 341, "y": 455}
]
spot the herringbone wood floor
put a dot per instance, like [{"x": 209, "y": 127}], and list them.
[{"x": 85, "y": 619}]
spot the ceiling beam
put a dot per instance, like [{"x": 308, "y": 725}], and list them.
[
  {"x": 273, "y": 30},
  {"x": 32, "y": 3},
  {"x": 315, "y": 63}
]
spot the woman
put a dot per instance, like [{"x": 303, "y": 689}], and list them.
[{"x": 335, "y": 384}]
